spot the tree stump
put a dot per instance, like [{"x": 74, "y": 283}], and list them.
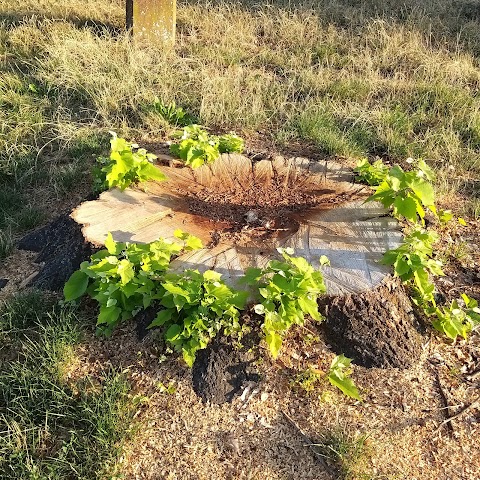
[{"x": 243, "y": 210}]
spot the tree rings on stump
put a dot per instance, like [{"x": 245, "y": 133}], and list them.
[{"x": 244, "y": 210}]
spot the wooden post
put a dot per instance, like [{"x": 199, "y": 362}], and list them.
[
  {"x": 152, "y": 20},
  {"x": 129, "y": 15}
]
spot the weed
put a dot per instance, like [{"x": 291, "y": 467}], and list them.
[
  {"x": 372, "y": 174},
  {"x": 289, "y": 291},
  {"x": 196, "y": 308},
  {"x": 172, "y": 114},
  {"x": 320, "y": 126},
  {"x": 197, "y": 147},
  {"x": 339, "y": 374},
  {"x": 308, "y": 379},
  {"x": 68, "y": 176},
  {"x": 347, "y": 452},
  {"x": 6, "y": 243},
  {"x": 408, "y": 193},
  {"x": 126, "y": 278},
  {"x": 125, "y": 166}
]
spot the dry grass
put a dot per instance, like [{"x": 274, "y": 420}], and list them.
[{"x": 380, "y": 80}]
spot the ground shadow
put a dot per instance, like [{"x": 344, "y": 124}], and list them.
[{"x": 14, "y": 19}]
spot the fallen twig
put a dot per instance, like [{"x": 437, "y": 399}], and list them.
[
  {"x": 459, "y": 413},
  {"x": 447, "y": 406},
  {"x": 311, "y": 444}
]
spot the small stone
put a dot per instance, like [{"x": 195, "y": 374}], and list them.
[
  {"x": 251, "y": 216},
  {"x": 263, "y": 396},
  {"x": 436, "y": 358},
  {"x": 251, "y": 417}
]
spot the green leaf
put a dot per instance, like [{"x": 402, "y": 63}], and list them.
[
  {"x": 310, "y": 306},
  {"x": 175, "y": 289},
  {"x": 193, "y": 243},
  {"x": 126, "y": 271},
  {"x": 230, "y": 143},
  {"x": 274, "y": 342},
  {"x": 76, "y": 285},
  {"x": 151, "y": 172},
  {"x": 300, "y": 263},
  {"x": 108, "y": 315},
  {"x": 407, "y": 207},
  {"x": 401, "y": 266},
  {"x": 338, "y": 376},
  {"x": 345, "y": 384},
  {"x": 180, "y": 234},
  {"x": 188, "y": 357},
  {"x": 252, "y": 276},
  {"x": 173, "y": 332},
  {"x": 424, "y": 191},
  {"x": 462, "y": 222},
  {"x": 162, "y": 318},
  {"x": 259, "y": 309},
  {"x": 324, "y": 261},
  {"x": 451, "y": 326},
  {"x": 111, "y": 245},
  {"x": 427, "y": 171},
  {"x": 212, "y": 276}
]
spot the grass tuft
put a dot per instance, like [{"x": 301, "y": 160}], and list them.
[
  {"x": 348, "y": 453},
  {"x": 49, "y": 427}
]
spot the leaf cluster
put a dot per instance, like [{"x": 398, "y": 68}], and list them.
[
  {"x": 456, "y": 320},
  {"x": 290, "y": 290},
  {"x": 308, "y": 379},
  {"x": 413, "y": 260},
  {"x": 371, "y": 174},
  {"x": 338, "y": 375},
  {"x": 127, "y": 164},
  {"x": 124, "y": 277},
  {"x": 171, "y": 113},
  {"x": 197, "y": 147},
  {"x": 196, "y": 307},
  {"x": 407, "y": 193}
]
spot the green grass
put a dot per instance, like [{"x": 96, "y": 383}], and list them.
[
  {"x": 347, "y": 453},
  {"x": 52, "y": 428}
]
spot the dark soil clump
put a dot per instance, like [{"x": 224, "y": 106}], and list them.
[
  {"x": 220, "y": 371},
  {"x": 61, "y": 248},
  {"x": 375, "y": 328}
]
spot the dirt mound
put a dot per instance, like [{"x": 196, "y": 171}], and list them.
[
  {"x": 220, "y": 371},
  {"x": 61, "y": 248}
]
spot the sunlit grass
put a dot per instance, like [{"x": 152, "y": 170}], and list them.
[{"x": 51, "y": 428}]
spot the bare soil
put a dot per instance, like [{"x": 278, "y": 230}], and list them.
[{"x": 181, "y": 437}]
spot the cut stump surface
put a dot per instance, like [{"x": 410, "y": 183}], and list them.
[{"x": 243, "y": 210}]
